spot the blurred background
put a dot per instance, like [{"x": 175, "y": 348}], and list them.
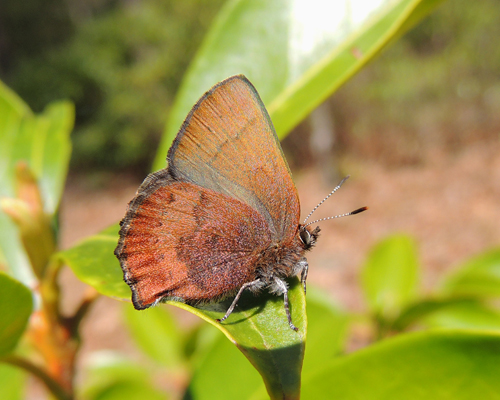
[
  {"x": 435, "y": 90},
  {"x": 417, "y": 129}
]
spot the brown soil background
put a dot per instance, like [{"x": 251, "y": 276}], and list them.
[{"x": 448, "y": 202}]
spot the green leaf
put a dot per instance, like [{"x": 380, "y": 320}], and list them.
[
  {"x": 326, "y": 330},
  {"x": 12, "y": 108},
  {"x": 296, "y": 53},
  {"x": 434, "y": 365},
  {"x": 155, "y": 331},
  {"x": 42, "y": 141},
  {"x": 416, "y": 313},
  {"x": 12, "y": 383},
  {"x": 390, "y": 275},
  {"x": 259, "y": 328},
  {"x": 224, "y": 367},
  {"x": 223, "y": 374},
  {"x": 52, "y": 162},
  {"x": 111, "y": 377},
  {"x": 15, "y": 308},
  {"x": 198, "y": 341},
  {"x": 130, "y": 391},
  {"x": 465, "y": 315},
  {"x": 478, "y": 277},
  {"x": 93, "y": 262}
]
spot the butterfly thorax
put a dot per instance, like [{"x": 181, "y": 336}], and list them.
[{"x": 285, "y": 259}]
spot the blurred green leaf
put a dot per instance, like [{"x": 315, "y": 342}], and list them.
[
  {"x": 57, "y": 122},
  {"x": 478, "y": 277},
  {"x": 130, "y": 391},
  {"x": 326, "y": 330},
  {"x": 431, "y": 365},
  {"x": 112, "y": 377},
  {"x": 15, "y": 309},
  {"x": 106, "y": 367},
  {"x": 417, "y": 312},
  {"x": 93, "y": 262},
  {"x": 12, "y": 108},
  {"x": 42, "y": 141},
  {"x": 222, "y": 374},
  {"x": 459, "y": 305},
  {"x": 308, "y": 49},
  {"x": 465, "y": 315},
  {"x": 12, "y": 383},
  {"x": 390, "y": 275},
  {"x": 198, "y": 341},
  {"x": 12, "y": 112},
  {"x": 156, "y": 333}
]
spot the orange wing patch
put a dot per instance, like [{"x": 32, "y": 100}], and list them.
[{"x": 184, "y": 242}]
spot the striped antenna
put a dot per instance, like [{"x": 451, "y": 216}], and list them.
[
  {"x": 357, "y": 211},
  {"x": 326, "y": 198}
]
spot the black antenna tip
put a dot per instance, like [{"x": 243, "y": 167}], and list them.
[{"x": 359, "y": 210}]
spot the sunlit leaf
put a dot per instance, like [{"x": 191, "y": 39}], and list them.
[{"x": 295, "y": 52}]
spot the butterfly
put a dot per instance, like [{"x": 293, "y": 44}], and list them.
[{"x": 223, "y": 217}]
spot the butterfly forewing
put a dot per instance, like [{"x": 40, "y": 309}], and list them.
[{"x": 228, "y": 144}]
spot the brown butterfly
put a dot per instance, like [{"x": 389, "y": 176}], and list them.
[{"x": 223, "y": 217}]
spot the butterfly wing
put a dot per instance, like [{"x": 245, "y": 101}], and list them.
[
  {"x": 228, "y": 144},
  {"x": 184, "y": 242}
]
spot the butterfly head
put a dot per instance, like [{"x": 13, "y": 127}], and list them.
[{"x": 308, "y": 236}]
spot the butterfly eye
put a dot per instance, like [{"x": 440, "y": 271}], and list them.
[{"x": 305, "y": 236}]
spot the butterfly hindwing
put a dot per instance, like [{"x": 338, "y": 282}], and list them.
[{"x": 184, "y": 242}]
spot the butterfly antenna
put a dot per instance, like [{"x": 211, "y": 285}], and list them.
[
  {"x": 357, "y": 211},
  {"x": 326, "y": 198}
]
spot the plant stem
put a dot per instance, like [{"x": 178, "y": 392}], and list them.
[
  {"x": 50, "y": 335},
  {"x": 73, "y": 323},
  {"x": 50, "y": 291},
  {"x": 52, "y": 385}
]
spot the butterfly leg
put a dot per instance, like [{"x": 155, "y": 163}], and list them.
[
  {"x": 233, "y": 304},
  {"x": 284, "y": 289},
  {"x": 303, "y": 275}
]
